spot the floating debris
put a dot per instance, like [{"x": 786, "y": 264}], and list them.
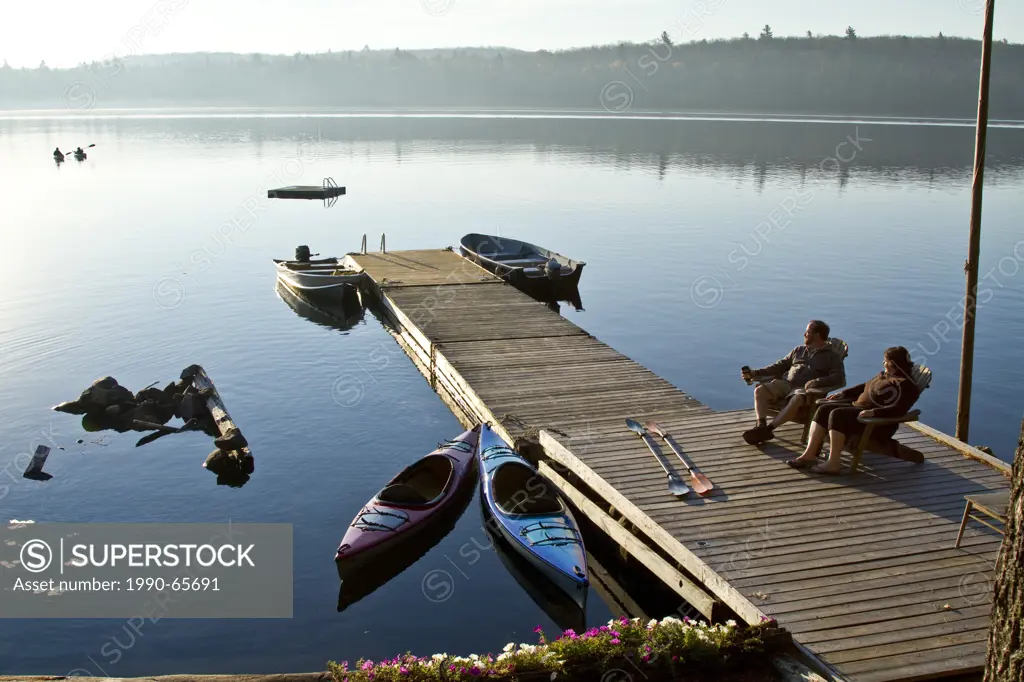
[{"x": 34, "y": 469}]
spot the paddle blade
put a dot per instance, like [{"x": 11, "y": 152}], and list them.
[
  {"x": 90, "y": 146},
  {"x": 677, "y": 487},
  {"x": 634, "y": 426},
  {"x": 655, "y": 427},
  {"x": 701, "y": 483}
]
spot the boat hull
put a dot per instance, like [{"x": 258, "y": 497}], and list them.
[
  {"x": 519, "y": 263},
  {"x": 548, "y": 540},
  {"x": 384, "y": 524},
  {"x": 318, "y": 278}
]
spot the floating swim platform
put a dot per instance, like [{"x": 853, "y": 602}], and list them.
[{"x": 306, "y": 192}]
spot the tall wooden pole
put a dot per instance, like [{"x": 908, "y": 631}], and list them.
[{"x": 963, "y": 408}]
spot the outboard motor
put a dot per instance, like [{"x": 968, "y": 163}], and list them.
[
  {"x": 553, "y": 269},
  {"x": 302, "y": 254}
]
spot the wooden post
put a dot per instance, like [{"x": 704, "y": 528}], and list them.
[{"x": 963, "y": 408}]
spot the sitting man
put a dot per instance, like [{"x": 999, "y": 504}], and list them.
[{"x": 812, "y": 366}]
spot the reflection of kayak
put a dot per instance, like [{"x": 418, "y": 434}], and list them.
[
  {"x": 80, "y": 157},
  {"x": 58, "y": 157},
  {"x": 559, "y": 607},
  {"x": 360, "y": 581},
  {"x": 409, "y": 502},
  {"x": 531, "y": 516}
]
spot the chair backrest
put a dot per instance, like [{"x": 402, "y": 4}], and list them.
[
  {"x": 840, "y": 347},
  {"x": 922, "y": 376}
]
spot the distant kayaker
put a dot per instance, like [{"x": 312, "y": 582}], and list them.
[
  {"x": 79, "y": 152},
  {"x": 57, "y": 153}
]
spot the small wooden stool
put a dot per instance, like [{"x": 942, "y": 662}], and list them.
[{"x": 992, "y": 505}]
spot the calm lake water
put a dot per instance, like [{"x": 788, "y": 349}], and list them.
[{"x": 709, "y": 244}]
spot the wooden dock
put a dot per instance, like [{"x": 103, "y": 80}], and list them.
[{"x": 861, "y": 569}]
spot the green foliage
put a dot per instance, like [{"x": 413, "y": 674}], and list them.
[
  {"x": 660, "y": 650},
  {"x": 766, "y": 33},
  {"x": 882, "y": 76},
  {"x": 851, "y": 34},
  {"x": 665, "y": 38}
]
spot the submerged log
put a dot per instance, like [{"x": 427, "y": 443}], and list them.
[{"x": 238, "y": 459}]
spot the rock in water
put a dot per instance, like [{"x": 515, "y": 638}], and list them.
[
  {"x": 101, "y": 397},
  {"x": 154, "y": 394},
  {"x": 72, "y": 407},
  {"x": 105, "y": 382},
  {"x": 232, "y": 440},
  {"x": 218, "y": 461},
  {"x": 191, "y": 406},
  {"x": 190, "y": 372}
]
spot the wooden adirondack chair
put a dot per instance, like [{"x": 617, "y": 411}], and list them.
[
  {"x": 922, "y": 377},
  {"x": 806, "y": 413}
]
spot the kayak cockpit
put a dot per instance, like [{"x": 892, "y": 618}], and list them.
[
  {"x": 519, "y": 490},
  {"x": 421, "y": 484}
]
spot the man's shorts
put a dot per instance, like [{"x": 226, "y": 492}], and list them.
[{"x": 778, "y": 389}]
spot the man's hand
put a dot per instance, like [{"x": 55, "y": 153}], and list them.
[
  {"x": 867, "y": 413},
  {"x": 834, "y": 396},
  {"x": 746, "y": 375}
]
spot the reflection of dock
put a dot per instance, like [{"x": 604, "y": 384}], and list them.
[{"x": 861, "y": 569}]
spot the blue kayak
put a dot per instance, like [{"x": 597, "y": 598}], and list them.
[{"x": 531, "y": 516}]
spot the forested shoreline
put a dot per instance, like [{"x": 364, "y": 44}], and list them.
[{"x": 880, "y": 76}]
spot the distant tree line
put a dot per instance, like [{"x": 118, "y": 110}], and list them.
[{"x": 845, "y": 75}]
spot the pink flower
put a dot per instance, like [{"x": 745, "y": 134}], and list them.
[
  {"x": 570, "y": 633},
  {"x": 538, "y": 629},
  {"x": 474, "y": 671},
  {"x": 675, "y": 658},
  {"x": 646, "y": 657},
  {"x": 403, "y": 670},
  {"x": 451, "y": 667},
  {"x": 368, "y": 665},
  {"x": 615, "y": 640},
  {"x": 603, "y": 628},
  {"x": 344, "y": 665},
  {"x": 615, "y": 633},
  {"x": 369, "y": 675}
]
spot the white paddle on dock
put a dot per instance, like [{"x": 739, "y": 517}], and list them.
[
  {"x": 675, "y": 484},
  {"x": 700, "y": 482}
]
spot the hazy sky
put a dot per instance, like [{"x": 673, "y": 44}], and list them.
[{"x": 65, "y": 32}]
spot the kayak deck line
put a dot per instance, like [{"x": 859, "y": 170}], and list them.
[{"x": 860, "y": 569}]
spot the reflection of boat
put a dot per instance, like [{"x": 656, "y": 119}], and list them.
[
  {"x": 410, "y": 501},
  {"x": 519, "y": 262},
  {"x": 322, "y": 277},
  {"x": 531, "y": 516},
  {"x": 560, "y": 607},
  {"x": 342, "y": 314},
  {"x": 80, "y": 157},
  {"x": 359, "y": 581},
  {"x": 58, "y": 157},
  {"x": 555, "y": 294}
]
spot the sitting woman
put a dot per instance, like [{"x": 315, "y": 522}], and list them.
[{"x": 890, "y": 394}]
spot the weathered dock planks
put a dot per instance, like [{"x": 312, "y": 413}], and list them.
[{"x": 860, "y": 568}]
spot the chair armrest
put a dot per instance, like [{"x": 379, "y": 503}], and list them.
[
  {"x": 814, "y": 393},
  {"x": 911, "y": 416},
  {"x": 822, "y": 401}
]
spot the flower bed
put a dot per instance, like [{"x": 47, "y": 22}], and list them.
[{"x": 622, "y": 650}]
